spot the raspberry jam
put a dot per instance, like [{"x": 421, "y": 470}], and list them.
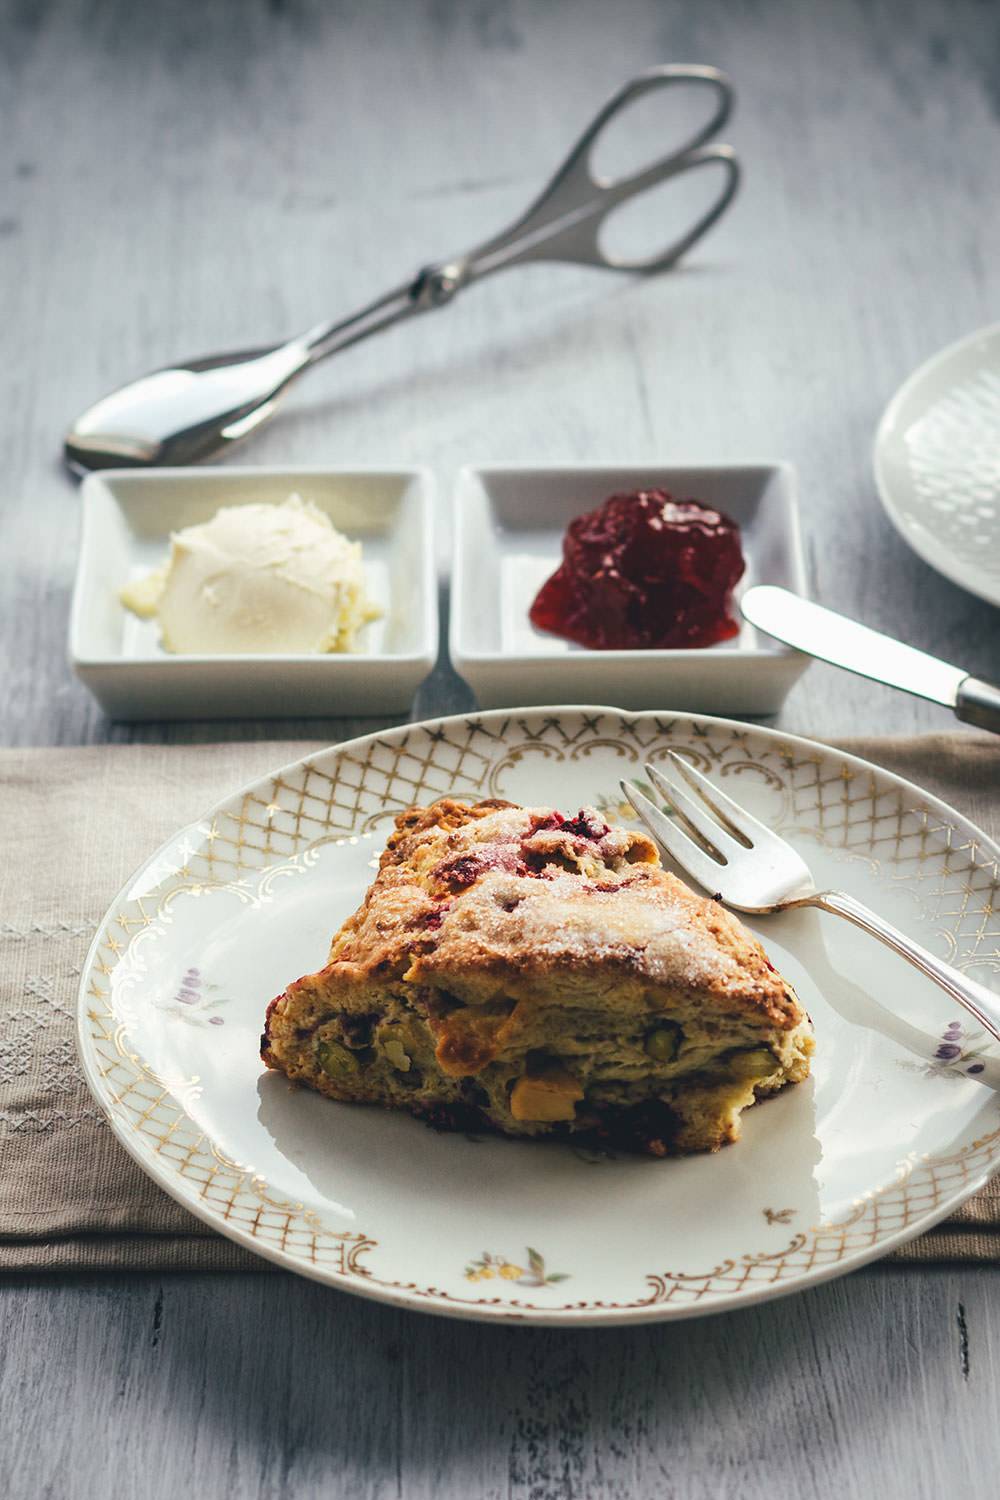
[{"x": 644, "y": 570}]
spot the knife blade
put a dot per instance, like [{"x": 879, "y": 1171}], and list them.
[{"x": 846, "y": 643}]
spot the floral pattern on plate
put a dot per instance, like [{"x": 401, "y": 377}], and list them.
[
  {"x": 533, "y": 1274},
  {"x": 868, "y": 1152},
  {"x": 195, "y": 1001},
  {"x": 960, "y": 1054}
]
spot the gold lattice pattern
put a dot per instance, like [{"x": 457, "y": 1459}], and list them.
[{"x": 357, "y": 788}]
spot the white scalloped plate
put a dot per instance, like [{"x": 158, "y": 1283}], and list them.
[
  {"x": 897, "y": 1126},
  {"x": 937, "y": 462}
]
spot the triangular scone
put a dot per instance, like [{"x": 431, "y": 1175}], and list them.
[{"x": 518, "y": 970}]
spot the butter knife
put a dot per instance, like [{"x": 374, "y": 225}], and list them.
[{"x": 846, "y": 643}]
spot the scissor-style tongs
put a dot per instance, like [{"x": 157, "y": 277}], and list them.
[{"x": 192, "y": 410}]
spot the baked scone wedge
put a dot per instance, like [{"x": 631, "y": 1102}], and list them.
[{"x": 515, "y": 969}]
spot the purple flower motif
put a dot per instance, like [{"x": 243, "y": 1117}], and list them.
[
  {"x": 193, "y": 1000},
  {"x": 189, "y": 990},
  {"x": 958, "y": 1053}
]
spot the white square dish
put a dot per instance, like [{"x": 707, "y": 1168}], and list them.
[
  {"x": 128, "y": 516},
  {"x": 508, "y": 526}
]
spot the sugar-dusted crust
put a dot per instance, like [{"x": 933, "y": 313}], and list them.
[{"x": 515, "y": 969}]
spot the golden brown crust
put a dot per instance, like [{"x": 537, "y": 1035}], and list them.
[{"x": 502, "y": 948}]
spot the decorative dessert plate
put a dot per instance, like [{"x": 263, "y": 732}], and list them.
[
  {"x": 897, "y": 1125},
  {"x": 937, "y": 462}
]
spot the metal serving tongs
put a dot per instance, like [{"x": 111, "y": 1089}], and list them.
[{"x": 192, "y": 410}]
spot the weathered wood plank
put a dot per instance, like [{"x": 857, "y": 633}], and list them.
[
  {"x": 182, "y": 179},
  {"x": 881, "y": 1383}
]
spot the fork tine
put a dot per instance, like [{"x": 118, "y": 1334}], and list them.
[
  {"x": 679, "y": 845},
  {"x": 743, "y": 826},
  {"x": 696, "y": 813}
]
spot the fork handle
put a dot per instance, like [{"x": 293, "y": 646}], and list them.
[{"x": 984, "y": 1004}]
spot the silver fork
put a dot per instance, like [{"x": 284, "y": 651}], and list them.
[{"x": 750, "y": 867}]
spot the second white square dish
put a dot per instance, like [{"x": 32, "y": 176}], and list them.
[{"x": 508, "y": 526}]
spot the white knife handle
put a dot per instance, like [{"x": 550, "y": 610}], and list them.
[
  {"x": 982, "y": 1003},
  {"x": 978, "y": 703}
]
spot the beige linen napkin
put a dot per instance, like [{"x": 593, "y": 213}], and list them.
[{"x": 76, "y": 823}]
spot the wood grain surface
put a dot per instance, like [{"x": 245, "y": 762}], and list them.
[
  {"x": 880, "y": 1384},
  {"x": 184, "y": 178},
  {"x": 179, "y": 178}
]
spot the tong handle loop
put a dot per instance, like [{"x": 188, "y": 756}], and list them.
[{"x": 564, "y": 221}]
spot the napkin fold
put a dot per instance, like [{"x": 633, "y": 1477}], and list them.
[{"x": 78, "y": 821}]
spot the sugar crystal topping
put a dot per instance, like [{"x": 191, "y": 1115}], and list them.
[
  {"x": 522, "y": 883},
  {"x": 564, "y": 917}
]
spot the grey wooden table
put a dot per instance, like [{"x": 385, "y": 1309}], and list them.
[{"x": 179, "y": 178}]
